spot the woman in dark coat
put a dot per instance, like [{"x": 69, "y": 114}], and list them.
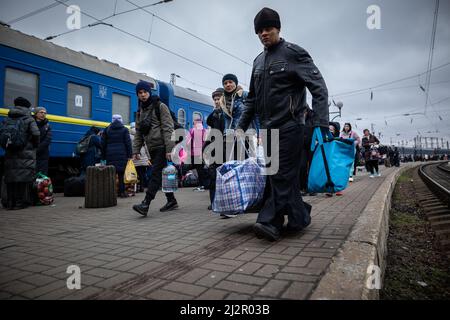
[
  {"x": 43, "y": 152},
  {"x": 371, "y": 154},
  {"x": 20, "y": 165},
  {"x": 94, "y": 152},
  {"x": 117, "y": 149}
]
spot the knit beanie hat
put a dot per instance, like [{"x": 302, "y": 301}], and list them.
[
  {"x": 117, "y": 117},
  {"x": 231, "y": 77},
  {"x": 267, "y": 18},
  {"x": 36, "y": 110},
  {"x": 22, "y": 102},
  {"x": 143, "y": 85},
  {"x": 218, "y": 92}
]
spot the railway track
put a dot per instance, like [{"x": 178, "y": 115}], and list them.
[{"x": 433, "y": 192}]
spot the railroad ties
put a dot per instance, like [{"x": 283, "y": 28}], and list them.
[{"x": 433, "y": 201}]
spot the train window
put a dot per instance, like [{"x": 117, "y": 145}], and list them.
[
  {"x": 78, "y": 101},
  {"x": 182, "y": 117},
  {"x": 20, "y": 84},
  {"x": 121, "y": 105}
]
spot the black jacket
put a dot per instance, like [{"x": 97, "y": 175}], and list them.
[
  {"x": 20, "y": 166},
  {"x": 216, "y": 120},
  {"x": 116, "y": 145},
  {"x": 278, "y": 85},
  {"x": 43, "y": 152}
]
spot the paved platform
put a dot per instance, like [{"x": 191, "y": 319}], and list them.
[{"x": 189, "y": 253}]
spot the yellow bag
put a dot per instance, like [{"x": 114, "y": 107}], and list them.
[{"x": 130, "y": 173}]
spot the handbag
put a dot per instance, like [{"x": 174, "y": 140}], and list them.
[{"x": 331, "y": 163}]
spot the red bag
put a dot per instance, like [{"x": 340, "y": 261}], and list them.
[{"x": 44, "y": 190}]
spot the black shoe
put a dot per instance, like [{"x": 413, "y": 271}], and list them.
[
  {"x": 143, "y": 207},
  {"x": 123, "y": 195},
  {"x": 266, "y": 231},
  {"x": 209, "y": 207},
  {"x": 170, "y": 205},
  {"x": 312, "y": 194}
]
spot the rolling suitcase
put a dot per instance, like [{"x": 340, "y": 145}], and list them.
[{"x": 100, "y": 187}]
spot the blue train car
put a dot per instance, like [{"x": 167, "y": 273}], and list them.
[
  {"x": 187, "y": 104},
  {"x": 78, "y": 90}
]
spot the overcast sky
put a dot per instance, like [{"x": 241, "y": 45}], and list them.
[{"x": 349, "y": 55}]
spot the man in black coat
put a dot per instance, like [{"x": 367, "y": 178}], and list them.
[
  {"x": 277, "y": 95},
  {"x": 43, "y": 153},
  {"x": 20, "y": 165}
]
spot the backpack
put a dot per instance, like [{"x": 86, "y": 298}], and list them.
[
  {"x": 83, "y": 145},
  {"x": 176, "y": 124},
  {"x": 13, "y": 134},
  {"x": 146, "y": 123}
]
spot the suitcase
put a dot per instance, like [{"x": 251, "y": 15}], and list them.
[
  {"x": 74, "y": 186},
  {"x": 100, "y": 189}
]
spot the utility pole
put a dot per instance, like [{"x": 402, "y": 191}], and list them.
[{"x": 173, "y": 77}]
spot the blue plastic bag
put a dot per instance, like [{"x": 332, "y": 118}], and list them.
[{"x": 330, "y": 167}]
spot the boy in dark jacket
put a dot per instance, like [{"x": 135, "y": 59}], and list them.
[
  {"x": 215, "y": 121},
  {"x": 155, "y": 132}
]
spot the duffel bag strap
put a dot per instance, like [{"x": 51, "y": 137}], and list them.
[{"x": 330, "y": 183}]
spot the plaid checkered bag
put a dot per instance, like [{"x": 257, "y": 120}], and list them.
[{"x": 239, "y": 186}]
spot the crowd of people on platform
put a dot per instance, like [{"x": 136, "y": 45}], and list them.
[{"x": 149, "y": 141}]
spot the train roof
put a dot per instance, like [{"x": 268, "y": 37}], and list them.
[
  {"x": 192, "y": 95},
  {"x": 18, "y": 40}
]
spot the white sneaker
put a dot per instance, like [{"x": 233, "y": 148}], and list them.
[
  {"x": 378, "y": 174},
  {"x": 350, "y": 179},
  {"x": 371, "y": 176}
]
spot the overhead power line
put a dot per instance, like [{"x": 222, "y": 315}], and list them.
[
  {"x": 35, "y": 12},
  {"x": 388, "y": 83},
  {"x": 146, "y": 41},
  {"x": 189, "y": 33},
  {"x": 392, "y": 89},
  {"x": 143, "y": 8},
  {"x": 430, "y": 55}
]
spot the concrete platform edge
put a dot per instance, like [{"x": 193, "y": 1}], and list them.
[{"x": 362, "y": 257}]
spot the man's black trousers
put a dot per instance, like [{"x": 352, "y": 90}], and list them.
[
  {"x": 159, "y": 162},
  {"x": 282, "y": 193}
]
